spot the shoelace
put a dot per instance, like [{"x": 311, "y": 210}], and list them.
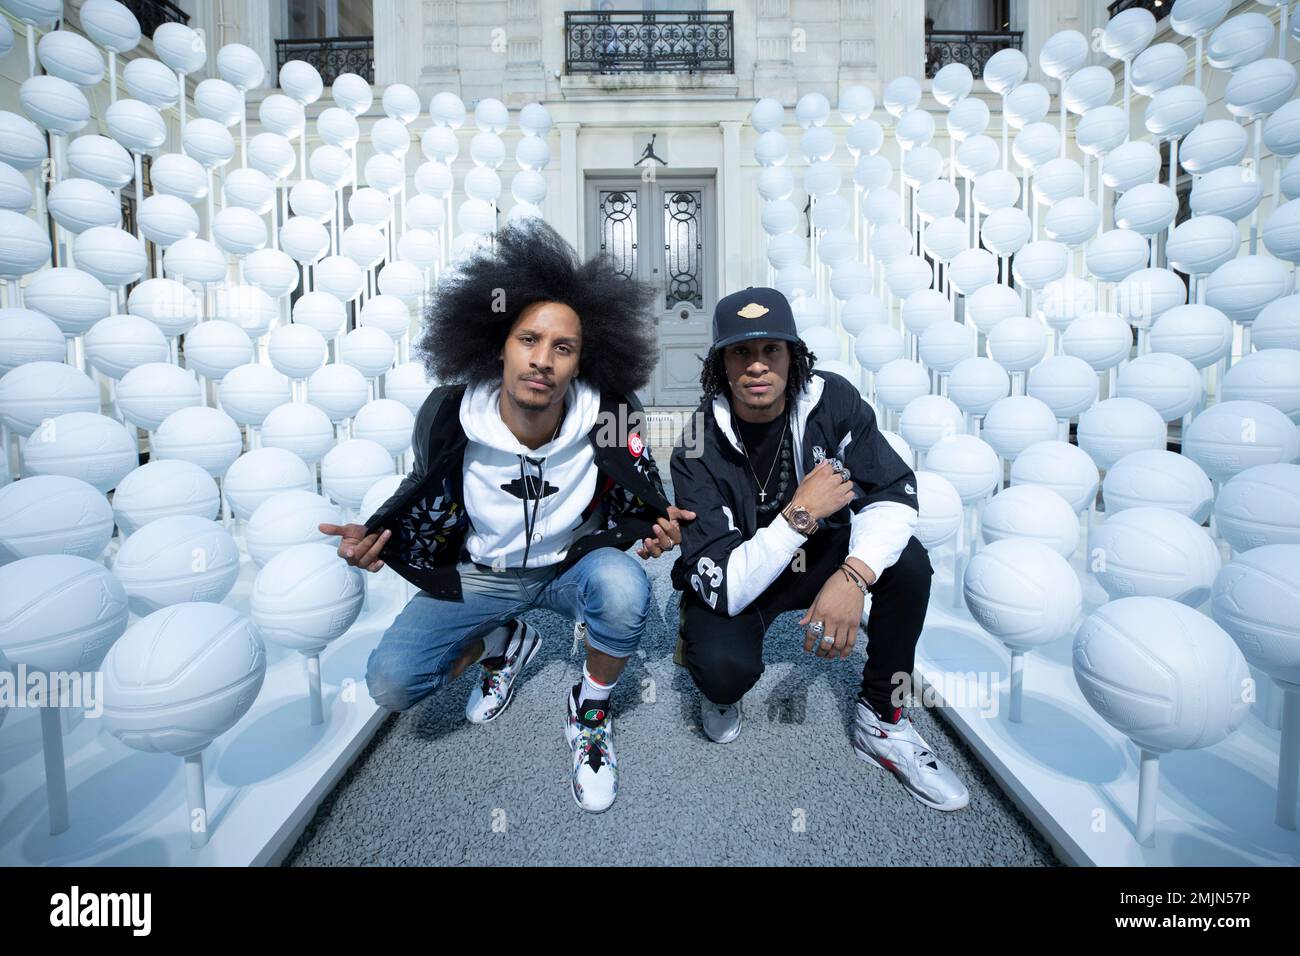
[{"x": 592, "y": 741}]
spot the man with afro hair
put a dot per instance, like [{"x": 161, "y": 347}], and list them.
[{"x": 531, "y": 477}]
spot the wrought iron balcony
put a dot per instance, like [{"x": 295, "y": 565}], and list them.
[
  {"x": 154, "y": 13},
  {"x": 635, "y": 41},
  {"x": 331, "y": 56},
  {"x": 1159, "y": 8},
  {"x": 972, "y": 48}
]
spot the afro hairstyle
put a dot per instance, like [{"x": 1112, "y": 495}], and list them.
[{"x": 476, "y": 304}]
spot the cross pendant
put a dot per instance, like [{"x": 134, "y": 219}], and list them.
[{"x": 762, "y": 496}]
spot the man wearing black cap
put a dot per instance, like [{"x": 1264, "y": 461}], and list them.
[{"x": 802, "y": 504}]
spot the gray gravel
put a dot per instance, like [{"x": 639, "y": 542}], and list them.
[{"x": 432, "y": 789}]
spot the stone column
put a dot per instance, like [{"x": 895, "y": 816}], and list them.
[
  {"x": 730, "y": 213},
  {"x": 566, "y": 219},
  {"x": 397, "y": 29}
]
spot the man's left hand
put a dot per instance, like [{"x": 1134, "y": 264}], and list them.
[
  {"x": 839, "y": 607},
  {"x": 668, "y": 533}
]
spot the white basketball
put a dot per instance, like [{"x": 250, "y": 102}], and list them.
[
  {"x": 331, "y": 165},
  {"x": 338, "y": 390},
  {"x": 180, "y": 47},
  {"x": 53, "y": 514},
  {"x": 271, "y": 155},
  {"x": 946, "y": 237},
  {"x": 1282, "y": 130},
  {"x": 1168, "y": 383},
  {"x": 297, "y": 350},
  {"x": 1173, "y": 113},
  {"x": 249, "y": 392},
  {"x": 388, "y": 313},
  {"x": 272, "y": 271},
  {"x": 340, "y": 277},
  {"x": 877, "y": 345},
  {"x": 135, "y": 125},
  {"x": 927, "y": 419},
  {"x": 1229, "y": 437},
  {"x": 36, "y": 391},
  {"x": 246, "y": 306},
  {"x": 1058, "y": 179},
  {"x": 72, "y": 299},
  {"x": 313, "y": 200},
  {"x": 902, "y": 93},
  {"x": 900, "y": 381},
  {"x": 54, "y": 104},
  {"x": 914, "y": 129},
  {"x": 22, "y": 144},
  {"x": 80, "y": 204},
  {"x": 96, "y": 158},
  {"x": 1014, "y": 423},
  {"x": 939, "y": 511},
  {"x": 1282, "y": 232},
  {"x": 283, "y": 115},
  {"x": 321, "y": 311},
  {"x": 1117, "y": 427},
  {"x": 1117, "y": 253},
  {"x": 408, "y": 384},
  {"x": 111, "y": 25},
  {"x": 386, "y": 174},
  {"x": 16, "y": 193},
  {"x": 239, "y": 231},
  {"x": 28, "y": 336},
  {"x": 1146, "y": 209},
  {"x": 952, "y": 83},
  {"x": 1259, "y": 87},
  {"x": 306, "y": 240},
  {"x": 975, "y": 384},
  {"x": 202, "y": 436},
  {"x": 166, "y": 303},
  {"x": 1276, "y": 327},
  {"x": 1065, "y": 468},
  {"x": 403, "y": 104},
  {"x": 1199, "y": 333},
  {"x": 1063, "y": 53},
  {"x": 1064, "y": 300},
  {"x": 996, "y": 189},
  {"x": 1158, "y": 67},
  {"x": 923, "y": 308},
  {"x": 1202, "y": 244},
  {"x": 1129, "y": 164},
  {"x": 1102, "y": 339},
  {"x": 302, "y": 81},
  {"x": 419, "y": 247},
  {"x": 370, "y": 350},
  {"x": 241, "y": 67},
  {"x": 1160, "y": 479},
  {"x": 1005, "y": 70},
  {"x": 386, "y": 422},
  {"x": 378, "y": 495},
  {"x": 258, "y": 474},
  {"x": 1072, "y": 221},
  {"x": 1036, "y": 144},
  {"x": 287, "y": 520},
  {"x": 182, "y": 677},
  {"x": 1271, "y": 376},
  {"x": 364, "y": 245},
  {"x": 1241, "y": 287},
  {"x": 301, "y": 428},
  {"x": 1147, "y": 294},
  {"x": 214, "y": 347},
  {"x": 149, "y": 393},
  {"x": 1032, "y": 513},
  {"x": 119, "y": 343},
  {"x": 1065, "y": 384},
  {"x": 968, "y": 119},
  {"x": 370, "y": 206},
  {"x": 160, "y": 489},
  {"x": 1006, "y": 230},
  {"x": 207, "y": 142},
  {"x": 174, "y": 559},
  {"x": 991, "y": 304},
  {"x": 24, "y": 246},
  {"x": 1260, "y": 506},
  {"x": 1212, "y": 145},
  {"x": 1022, "y": 592},
  {"x": 165, "y": 220},
  {"x": 351, "y": 467},
  {"x": 150, "y": 82},
  {"x": 174, "y": 174},
  {"x": 908, "y": 274},
  {"x": 195, "y": 260},
  {"x": 1160, "y": 673},
  {"x": 1018, "y": 343},
  {"x": 1038, "y": 263},
  {"x": 1257, "y": 600},
  {"x": 111, "y": 255},
  {"x": 59, "y": 612},
  {"x": 946, "y": 343},
  {"x": 306, "y": 596},
  {"x": 1100, "y": 130},
  {"x": 1154, "y": 552},
  {"x": 1232, "y": 192},
  {"x": 969, "y": 463}
]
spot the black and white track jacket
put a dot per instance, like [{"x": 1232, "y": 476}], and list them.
[
  {"x": 427, "y": 512},
  {"x": 726, "y": 558}
]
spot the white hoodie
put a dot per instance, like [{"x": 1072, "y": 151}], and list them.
[{"x": 514, "y": 493}]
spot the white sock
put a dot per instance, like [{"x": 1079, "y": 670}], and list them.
[
  {"x": 593, "y": 689},
  {"x": 495, "y": 642}
]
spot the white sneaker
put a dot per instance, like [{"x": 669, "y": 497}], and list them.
[
  {"x": 496, "y": 686},
  {"x": 721, "y": 721},
  {"x": 900, "y": 749},
  {"x": 588, "y": 729}
]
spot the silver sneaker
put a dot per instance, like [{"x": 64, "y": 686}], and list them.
[
  {"x": 901, "y": 750},
  {"x": 496, "y": 687},
  {"x": 721, "y": 721}
]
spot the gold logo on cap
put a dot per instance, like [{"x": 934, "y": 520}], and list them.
[{"x": 752, "y": 311}]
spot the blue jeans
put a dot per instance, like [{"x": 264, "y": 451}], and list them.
[{"x": 607, "y": 589}]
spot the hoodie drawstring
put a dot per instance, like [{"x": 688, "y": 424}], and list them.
[{"x": 526, "y": 480}]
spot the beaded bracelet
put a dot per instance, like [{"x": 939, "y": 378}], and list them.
[{"x": 854, "y": 579}]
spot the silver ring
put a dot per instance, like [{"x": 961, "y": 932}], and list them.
[
  {"x": 817, "y": 627},
  {"x": 827, "y": 641}
]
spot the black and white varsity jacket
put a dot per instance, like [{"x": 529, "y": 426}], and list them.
[
  {"x": 427, "y": 512},
  {"x": 726, "y": 558}
]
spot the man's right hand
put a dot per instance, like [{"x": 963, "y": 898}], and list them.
[
  {"x": 823, "y": 491},
  {"x": 359, "y": 549}
]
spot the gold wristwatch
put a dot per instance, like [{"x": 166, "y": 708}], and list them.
[{"x": 801, "y": 519}]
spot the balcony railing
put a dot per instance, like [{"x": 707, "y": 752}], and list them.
[
  {"x": 1159, "y": 8},
  {"x": 634, "y": 41},
  {"x": 154, "y": 13},
  {"x": 331, "y": 56},
  {"x": 972, "y": 48}
]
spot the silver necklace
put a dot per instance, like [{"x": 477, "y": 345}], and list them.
[{"x": 762, "y": 488}]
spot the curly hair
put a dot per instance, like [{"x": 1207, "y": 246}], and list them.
[
  {"x": 713, "y": 377},
  {"x": 476, "y": 303}
]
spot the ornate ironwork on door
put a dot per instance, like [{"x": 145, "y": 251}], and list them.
[
  {"x": 331, "y": 56},
  {"x": 633, "y": 41},
  {"x": 151, "y": 14},
  {"x": 974, "y": 49},
  {"x": 618, "y": 224},
  {"x": 683, "y": 248}
]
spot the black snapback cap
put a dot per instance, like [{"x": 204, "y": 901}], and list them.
[{"x": 753, "y": 313}]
